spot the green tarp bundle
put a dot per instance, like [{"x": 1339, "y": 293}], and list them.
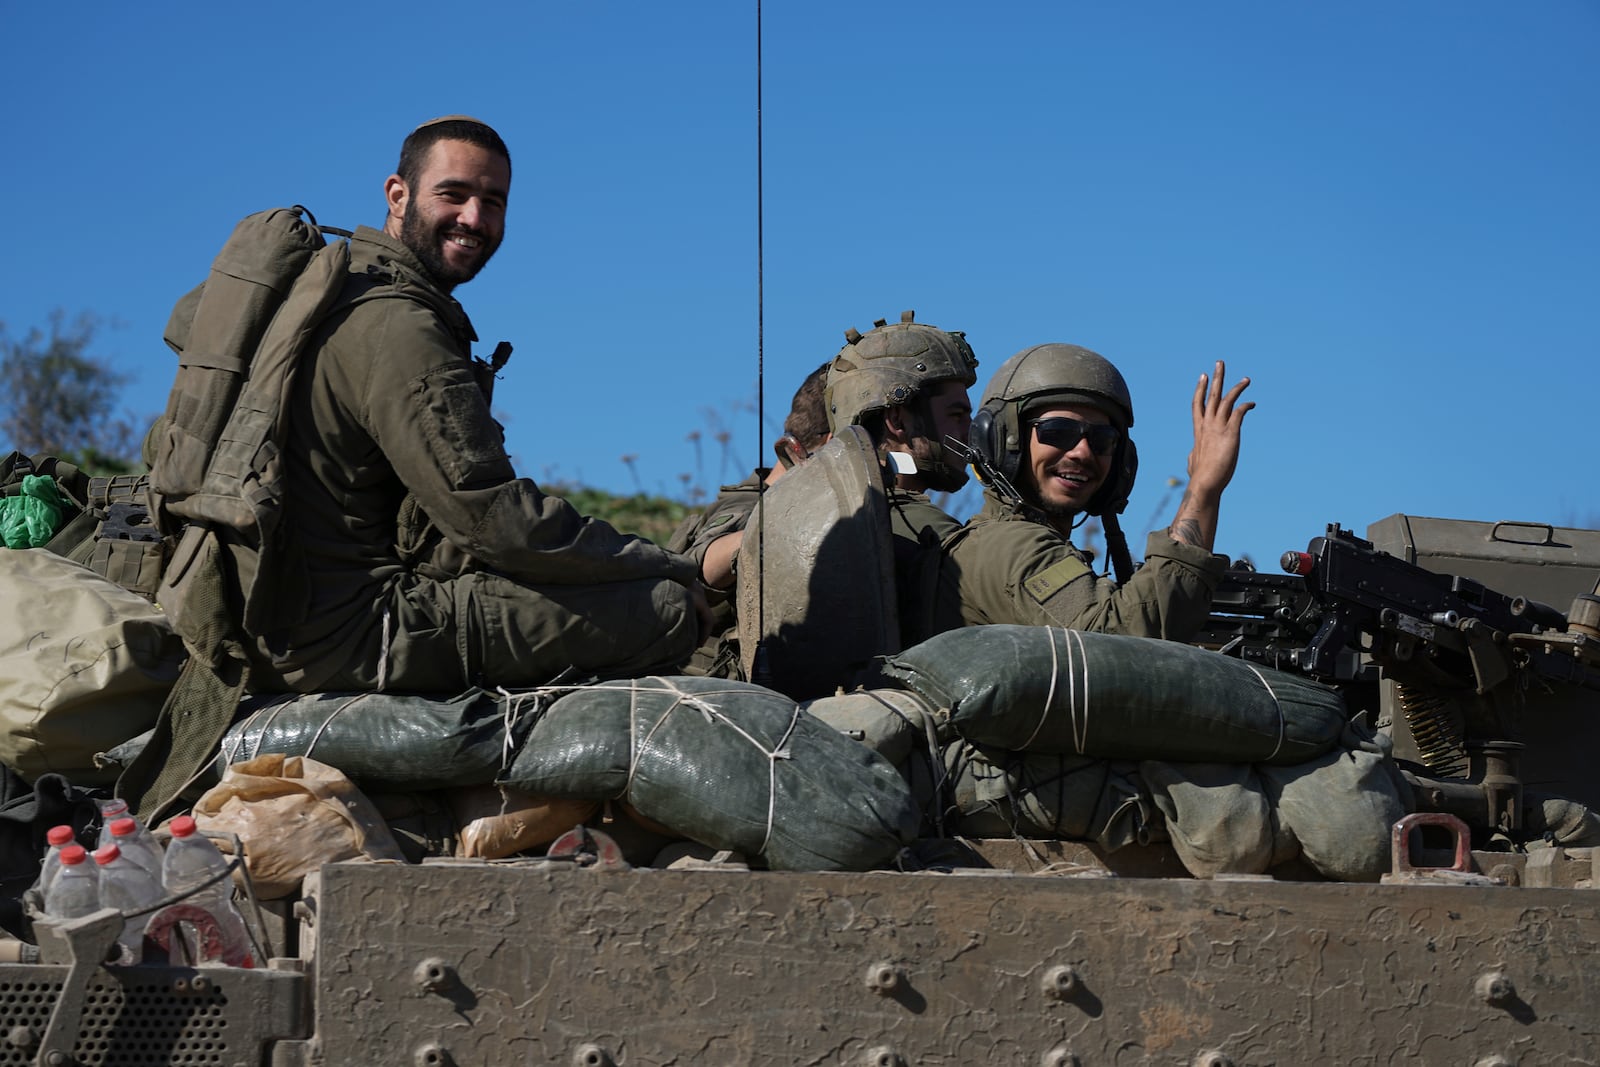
[
  {"x": 1046, "y": 689},
  {"x": 391, "y": 741},
  {"x": 729, "y": 764}
]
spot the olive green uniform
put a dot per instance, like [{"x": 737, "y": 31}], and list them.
[
  {"x": 415, "y": 558},
  {"x": 718, "y": 654},
  {"x": 1010, "y": 567},
  {"x": 918, "y": 528}
]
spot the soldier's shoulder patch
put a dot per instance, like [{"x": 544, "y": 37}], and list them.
[
  {"x": 1050, "y": 581},
  {"x": 720, "y": 520}
]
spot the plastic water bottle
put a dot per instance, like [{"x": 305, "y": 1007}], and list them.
[
  {"x": 75, "y": 892},
  {"x": 128, "y": 887},
  {"x": 136, "y": 844},
  {"x": 110, "y": 811},
  {"x": 190, "y": 860},
  {"x": 59, "y": 838}
]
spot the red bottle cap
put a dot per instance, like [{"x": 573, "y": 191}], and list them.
[{"x": 60, "y": 835}]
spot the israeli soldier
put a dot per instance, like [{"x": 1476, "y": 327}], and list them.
[
  {"x": 906, "y": 385},
  {"x": 1051, "y": 441},
  {"x": 417, "y": 559},
  {"x": 713, "y": 537}
]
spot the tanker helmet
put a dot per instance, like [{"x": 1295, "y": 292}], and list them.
[
  {"x": 891, "y": 365},
  {"x": 1037, "y": 378}
]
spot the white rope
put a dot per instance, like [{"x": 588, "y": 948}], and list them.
[
  {"x": 244, "y": 730},
  {"x": 336, "y": 712},
  {"x": 1079, "y": 738},
  {"x": 511, "y": 716},
  {"x": 383, "y": 654},
  {"x": 1049, "y": 697},
  {"x": 1283, "y": 724},
  {"x": 712, "y": 714}
]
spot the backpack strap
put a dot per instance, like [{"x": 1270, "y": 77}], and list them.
[{"x": 201, "y": 705}]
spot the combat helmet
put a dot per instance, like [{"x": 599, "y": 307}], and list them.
[
  {"x": 890, "y": 365},
  {"x": 1036, "y": 378}
]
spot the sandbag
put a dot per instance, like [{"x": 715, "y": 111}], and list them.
[
  {"x": 1044, "y": 689},
  {"x": 891, "y": 722},
  {"x": 1219, "y": 819},
  {"x": 1340, "y": 808},
  {"x": 394, "y": 741},
  {"x": 84, "y": 666},
  {"x": 1006, "y": 794},
  {"x": 728, "y": 764},
  {"x": 293, "y": 815}
]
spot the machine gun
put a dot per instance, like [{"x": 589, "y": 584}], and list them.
[{"x": 1463, "y": 657}]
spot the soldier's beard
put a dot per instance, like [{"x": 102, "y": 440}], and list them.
[
  {"x": 425, "y": 238},
  {"x": 938, "y": 473}
]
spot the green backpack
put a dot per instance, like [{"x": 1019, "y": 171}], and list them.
[{"x": 216, "y": 479}]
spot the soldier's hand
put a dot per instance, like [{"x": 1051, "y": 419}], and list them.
[{"x": 1217, "y": 419}]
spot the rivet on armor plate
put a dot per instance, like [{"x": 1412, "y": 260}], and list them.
[
  {"x": 1060, "y": 1057},
  {"x": 591, "y": 1055},
  {"x": 434, "y": 974},
  {"x": 1059, "y": 983},
  {"x": 23, "y": 1037},
  {"x": 1496, "y": 987},
  {"x": 1212, "y": 1058},
  {"x": 883, "y": 1056},
  {"x": 430, "y": 1054},
  {"x": 884, "y": 978}
]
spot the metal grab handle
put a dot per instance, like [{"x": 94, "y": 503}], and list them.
[
  {"x": 1400, "y": 842},
  {"x": 1548, "y": 539}
]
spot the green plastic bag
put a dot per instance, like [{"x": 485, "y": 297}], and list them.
[{"x": 31, "y": 518}]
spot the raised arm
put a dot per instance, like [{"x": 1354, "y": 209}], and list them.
[{"x": 1218, "y": 417}]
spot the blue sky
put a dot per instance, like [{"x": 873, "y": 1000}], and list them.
[{"x": 1385, "y": 214}]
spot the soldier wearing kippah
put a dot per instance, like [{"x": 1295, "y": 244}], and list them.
[{"x": 416, "y": 558}]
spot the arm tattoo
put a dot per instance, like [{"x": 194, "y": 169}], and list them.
[{"x": 1186, "y": 531}]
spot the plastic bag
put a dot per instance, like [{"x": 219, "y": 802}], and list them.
[
  {"x": 495, "y": 821},
  {"x": 32, "y": 517},
  {"x": 292, "y": 815}
]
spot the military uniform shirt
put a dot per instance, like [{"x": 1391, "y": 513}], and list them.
[{"x": 1006, "y": 567}]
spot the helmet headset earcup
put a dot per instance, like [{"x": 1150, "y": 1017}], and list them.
[
  {"x": 986, "y": 436},
  {"x": 1112, "y": 499}
]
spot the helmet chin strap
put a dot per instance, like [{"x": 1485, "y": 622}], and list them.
[{"x": 1117, "y": 547}]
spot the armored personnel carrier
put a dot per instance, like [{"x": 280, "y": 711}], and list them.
[{"x": 1479, "y": 947}]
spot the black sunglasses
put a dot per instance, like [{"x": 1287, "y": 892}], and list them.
[{"x": 1064, "y": 433}]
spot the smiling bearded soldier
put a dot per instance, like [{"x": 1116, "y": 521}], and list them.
[
  {"x": 1051, "y": 443},
  {"x": 414, "y": 557}
]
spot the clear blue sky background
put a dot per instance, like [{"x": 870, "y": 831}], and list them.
[{"x": 1385, "y": 214}]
